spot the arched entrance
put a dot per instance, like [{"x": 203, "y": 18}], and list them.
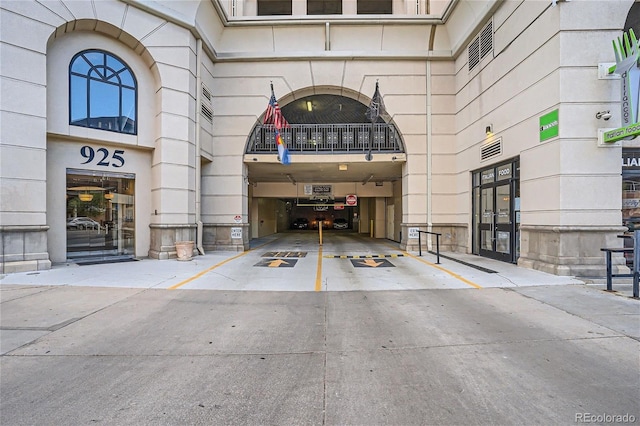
[{"x": 329, "y": 180}]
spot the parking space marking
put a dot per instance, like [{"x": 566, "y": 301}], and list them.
[
  {"x": 319, "y": 271},
  {"x": 199, "y": 274}
]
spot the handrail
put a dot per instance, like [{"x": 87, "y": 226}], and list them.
[
  {"x": 326, "y": 138},
  {"x": 437, "y": 244}
]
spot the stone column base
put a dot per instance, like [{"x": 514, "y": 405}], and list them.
[
  {"x": 453, "y": 237},
  {"x": 164, "y": 237},
  {"x": 570, "y": 250},
  {"x": 23, "y": 249},
  {"x": 226, "y": 237}
]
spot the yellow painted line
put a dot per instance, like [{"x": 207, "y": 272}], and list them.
[
  {"x": 319, "y": 271},
  {"x": 453, "y": 274},
  {"x": 199, "y": 274}
]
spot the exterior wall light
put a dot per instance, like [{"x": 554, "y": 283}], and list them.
[{"x": 489, "y": 129}]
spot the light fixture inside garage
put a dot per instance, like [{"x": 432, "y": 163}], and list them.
[
  {"x": 342, "y": 167},
  {"x": 108, "y": 196},
  {"x": 309, "y": 106}
]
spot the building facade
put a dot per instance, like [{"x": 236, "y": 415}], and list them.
[{"x": 128, "y": 126}]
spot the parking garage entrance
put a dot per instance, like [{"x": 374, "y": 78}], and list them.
[
  {"x": 100, "y": 216},
  {"x": 345, "y": 172}
]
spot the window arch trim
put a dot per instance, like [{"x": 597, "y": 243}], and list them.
[{"x": 103, "y": 92}]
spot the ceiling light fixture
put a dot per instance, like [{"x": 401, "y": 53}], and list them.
[
  {"x": 342, "y": 167},
  {"x": 309, "y": 106},
  {"x": 293, "y": 181},
  {"x": 85, "y": 196},
  {"x": 366, "y": 181},
  {"x": 108, "y": 196}
]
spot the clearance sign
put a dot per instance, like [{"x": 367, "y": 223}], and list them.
[{"x": 627, "y": 56}]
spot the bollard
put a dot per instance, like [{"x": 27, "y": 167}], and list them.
[{"x": 320, "y": 230}]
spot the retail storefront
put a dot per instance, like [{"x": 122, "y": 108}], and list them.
[{"x": 496, "y": 211}]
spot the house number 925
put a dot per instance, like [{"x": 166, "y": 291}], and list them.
[{"x": 103, "y": 156}]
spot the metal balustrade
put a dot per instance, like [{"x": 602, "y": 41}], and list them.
[{"x": 326, "y": 139}]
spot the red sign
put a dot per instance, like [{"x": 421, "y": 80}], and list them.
[
  {"x": 352, "y": 200},
  {"x": 338, "y": 206}
]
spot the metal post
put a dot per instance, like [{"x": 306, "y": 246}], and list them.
[
  {"x": 419, "y": 244},
  {"x": 320, "y": 230},
  {"x": 609, "y": 270},
  {"x": 438, "y": 249},
  {"x": 636, "y": 263}
]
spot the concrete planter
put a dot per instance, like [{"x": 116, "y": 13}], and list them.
[{"x": 184, "y": 250}]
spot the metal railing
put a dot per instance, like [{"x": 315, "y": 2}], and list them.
[
  {"x": 437, "y": 244},
  {"x": 635, "y": 269},
  {"x": 326, "y": 138}
]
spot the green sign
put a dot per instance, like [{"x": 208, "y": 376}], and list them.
[
  {"x": 627, "y": 57},
  {"x": 622, "y": 133},
  {"x": 549, "y": 125}
]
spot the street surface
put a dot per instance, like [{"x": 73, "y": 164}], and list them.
[{"x": 81, "y": 346}]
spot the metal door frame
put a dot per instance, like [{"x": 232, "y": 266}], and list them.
[{"x": 492, "y": 181}]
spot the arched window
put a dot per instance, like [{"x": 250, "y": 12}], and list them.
[{"x": 102, "y": 93}]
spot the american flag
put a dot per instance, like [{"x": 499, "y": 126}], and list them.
[{"x": 274, "y": 116}]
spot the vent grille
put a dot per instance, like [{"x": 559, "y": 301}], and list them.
[
  {"x": 486, "y": 40},
  {"x": 491, "y": 150},
  {"x": 474, "y": 53},
  {"x": 206, "y": 94},
  {"x": 481, "y": 46},
  {"x": 207, "y": 113}
]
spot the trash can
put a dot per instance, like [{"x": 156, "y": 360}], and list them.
[{"x": 184, "y": 250}]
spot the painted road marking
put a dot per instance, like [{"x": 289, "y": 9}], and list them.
[
  {"x": 285, "y": 254},
  {"x": 362, "y": 256},
  {"x": 371, "y": 263},
  {"x": 277, "y": 263},
  {"x": 198, "y": 275},
  {"x": 319, "y": 270}
]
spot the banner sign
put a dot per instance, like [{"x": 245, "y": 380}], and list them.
[{"x": 628, "y": 132}]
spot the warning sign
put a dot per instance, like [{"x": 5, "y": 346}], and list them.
[{"x": 351, "y": 200}]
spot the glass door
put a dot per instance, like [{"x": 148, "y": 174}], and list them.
[
  {"x": 100, "y": 216},
  {"x": 495, "y": 233}
]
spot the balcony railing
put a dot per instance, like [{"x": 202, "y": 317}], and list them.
[{"x": 326, "y": 139}]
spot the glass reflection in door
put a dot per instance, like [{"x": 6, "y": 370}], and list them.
[{"x": 100, "y": 215}]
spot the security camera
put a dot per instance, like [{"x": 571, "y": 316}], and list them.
[{"x": 605, "y": 115}]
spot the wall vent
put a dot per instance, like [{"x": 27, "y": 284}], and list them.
[
  {"x": 486, "y": 40},
  {"x": 480, "y": 46},
  {"x": 491, "y": 149},
  {"x": 474, "y": 53},
  {"x": 207, "y": 113},
  {"x": 206, "y": 93}
]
